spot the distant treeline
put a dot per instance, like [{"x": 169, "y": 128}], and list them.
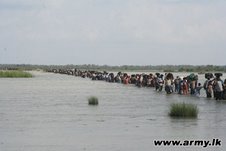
[{"x": 164, "y": 68}]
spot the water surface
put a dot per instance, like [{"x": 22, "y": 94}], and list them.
[{"x": 50, "y": 112}]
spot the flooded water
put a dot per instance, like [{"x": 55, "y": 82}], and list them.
[{"x": 50, "y": 112}]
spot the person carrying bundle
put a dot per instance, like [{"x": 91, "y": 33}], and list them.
[
  {"x": 159, "y": 82},
  {"x": 208, "y": 85},
  {"x": 185, "y": 86},
  {"x": 193, "y": 80},
  {"x": 224, "y": 90},
  {"x": 169, "y": 83},
  {"x": 218, "y": 87}
]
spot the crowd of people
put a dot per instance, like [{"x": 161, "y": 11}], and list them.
[{"x": 214, "y": 86}]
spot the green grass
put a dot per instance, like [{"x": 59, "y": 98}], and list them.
[
  {"x": 93, "y": 100},
  {"x": 182, "y": 110},
  {"x": 14, "y": 74}
]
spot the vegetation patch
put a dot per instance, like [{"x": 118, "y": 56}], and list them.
[
  {"x": 183, "y": 110},
  {"x": 93, "y": 100},
  {"x": 14, "y": 74}
]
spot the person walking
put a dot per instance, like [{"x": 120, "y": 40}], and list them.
[
  {"x": 177, "y": 84},
  {"x": 218, "y": 89},
  {"x": 224, "y": 90},
  {"x": 208, "y": 86}
]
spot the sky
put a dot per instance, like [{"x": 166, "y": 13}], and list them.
[{"x": 113, "y": 32}]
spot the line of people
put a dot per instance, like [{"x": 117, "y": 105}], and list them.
[{"x": 213, "y": 86}]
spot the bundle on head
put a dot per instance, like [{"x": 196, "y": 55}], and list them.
[
  {"x": 157, "y": 74},
  {"x": 133, "y": 75},
  {"x": 192, "y": 77},
  {"x": 208, "y": 75},
  {"x": 169, "y": 76},
  {"x": 218, "y": 74}
]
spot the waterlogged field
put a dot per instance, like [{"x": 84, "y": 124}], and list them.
[{"x": 50, "y": 112}]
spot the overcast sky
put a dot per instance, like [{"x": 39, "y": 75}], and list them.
[{"x": 113, "y": 32}]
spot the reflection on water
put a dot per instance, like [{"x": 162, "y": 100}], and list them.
[{"x": 51, "y": 112}]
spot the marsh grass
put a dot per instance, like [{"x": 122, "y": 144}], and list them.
[
  {"x": 182, "y": 110},
  {"x": 93, "y": 100},
  {"x": 15, "y": 74}
]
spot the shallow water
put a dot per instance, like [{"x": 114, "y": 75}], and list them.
[{"x": 50, "y": 112}]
